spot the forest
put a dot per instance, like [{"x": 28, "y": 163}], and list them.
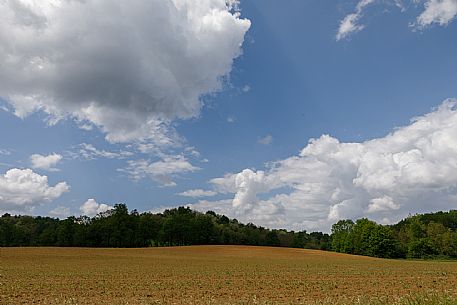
[
  {"x": 432, "y": 235},
  {"x": 175, "y": 227}
]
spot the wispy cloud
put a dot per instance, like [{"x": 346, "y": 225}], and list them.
[
  {"x": 197, "y": 193},
  {"x": 90, "y": 152},
  {"x": 60, "y": 212},
  {"x": 5, "y": 152},
  {"x": 162, "y": 171},
  {"x": 349, "y": 24},
  {"x": 441, "y": 12},
  {"x": 267, "y": 140}
]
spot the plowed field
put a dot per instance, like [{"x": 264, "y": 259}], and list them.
[{"x": 217, "y": 275}]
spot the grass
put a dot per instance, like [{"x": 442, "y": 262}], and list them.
[{"x": 218, "y": 275}]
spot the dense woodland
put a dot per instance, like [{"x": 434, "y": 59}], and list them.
[
  {"x": 121, "y": 228},
  {"x": 420, "y": 236},
  {"x": 431, "y": 235}
]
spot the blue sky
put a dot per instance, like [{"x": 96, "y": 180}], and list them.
[{"x": 230, "y": 97}]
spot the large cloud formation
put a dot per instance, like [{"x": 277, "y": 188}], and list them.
[
  {"x": 413, "y": 169},
  {"x": 22, "y": 190},
  {"x": 127, "y": 67}
]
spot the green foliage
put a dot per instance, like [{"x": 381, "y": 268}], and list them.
[
  {"x": 421, "y": 248},
  {"x": 420, "y": 236},
  {"x": 429, "y": 235},
  {"x": 121, "y": 228},
  {"x": 365, "y": 237},
  {"x": 272, "y": 239},
  {"x": 382, "y": 243},
  {"x": 342, "y": 236}
]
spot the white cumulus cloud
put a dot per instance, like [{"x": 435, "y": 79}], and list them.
[
  {"x": 47, "y": 163},
  {"x": 22, "y": 190},
  {"x": 382, "y": 204},
  {"x": 413, "y": 169},
  {"x": 126, "y": 67},
  {"x": 91, "y": 208},
  {"x": 248, "y": 184}
]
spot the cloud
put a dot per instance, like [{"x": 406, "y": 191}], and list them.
[
  {"x": 248, "y": 184},
  {"x": 441, "y": 12},
  {"x": 123, "y": 73},
  {"x": 198, "y": 193},
  {"x": 47, "y": 163},
  {"x": 89, "y": 152},
  {"x": 162, "y": 171},
  {"x": 91, "y": 208},
  {"x": 267, "y": 140},
  {"x": 224, "y": 185},
  {"x": 438, "y": 11},
  {"x": 382, "y": 204},
  {"x": 5, "y": 152},
  {"x": 223, "y": 207},
  {"x": 411, "y": 170},
  {"x": 22, "y": 190},
  {"x": 60, "y": 212},
  {"x": 349, "y": 25}
]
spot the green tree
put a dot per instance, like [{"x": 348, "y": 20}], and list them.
[
  {"x": 341, "y": 236},
  {"x": 65, "y": 232},
  {"x": 360, "y": 236},
  {"x": 382, "y": 243},
  {"x": 421, "y": 248},
  {"x": 450, "y": 243},
  {"x": 272, "y": 239}
]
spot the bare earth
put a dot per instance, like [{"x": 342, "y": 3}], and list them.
[{"x": 212, "y": 275}]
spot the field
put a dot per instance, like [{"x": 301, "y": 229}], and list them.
[{"x": 218, "y": 275}]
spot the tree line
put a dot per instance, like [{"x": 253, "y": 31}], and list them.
[
  {"x": 175, "y": 227},
  {"x": 432, "y": 235}
]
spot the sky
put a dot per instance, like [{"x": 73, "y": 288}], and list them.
[{"x": 288, "y": 114}]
